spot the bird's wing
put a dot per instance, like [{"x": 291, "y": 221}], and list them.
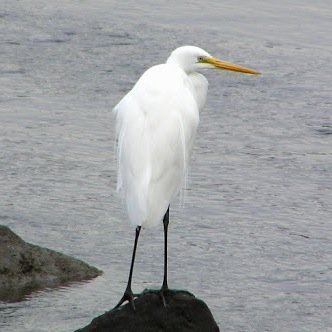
[{"x": 156, "y": 124}]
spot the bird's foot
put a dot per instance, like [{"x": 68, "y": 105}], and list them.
[
  {"x": 127, "y": 296},
  {"x": 163, "y": 291}
]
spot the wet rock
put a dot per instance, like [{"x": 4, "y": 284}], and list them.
[
  {"x": 25, "y": 267},
  {"x": 183, "y": 313}
]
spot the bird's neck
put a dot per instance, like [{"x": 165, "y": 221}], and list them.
[{"x": 176, "y": 61}]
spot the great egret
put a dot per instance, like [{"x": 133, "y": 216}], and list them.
[{"x": 156, "y": 123}]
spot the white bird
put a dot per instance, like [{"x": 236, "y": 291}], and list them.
[{"x": 156, "y": 123}]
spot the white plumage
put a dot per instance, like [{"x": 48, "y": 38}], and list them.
[{"x": 156, "y": 125}]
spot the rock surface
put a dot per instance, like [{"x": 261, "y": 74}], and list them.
[
  {"x": 183, "y": 313},
  {"x": 25, "y": 267}
]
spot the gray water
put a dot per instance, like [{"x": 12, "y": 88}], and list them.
[{"x": 253, "y": 236}]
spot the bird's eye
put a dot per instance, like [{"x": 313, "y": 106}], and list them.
[{"x": 200, "y": 59}]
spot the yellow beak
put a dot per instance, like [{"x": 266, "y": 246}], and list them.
[{"x": 229, "y": 66}]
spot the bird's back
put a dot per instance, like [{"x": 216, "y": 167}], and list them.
[{"x": 156, "y": 126}]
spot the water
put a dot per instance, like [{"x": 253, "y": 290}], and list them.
[{"x": 253, "y": 238}]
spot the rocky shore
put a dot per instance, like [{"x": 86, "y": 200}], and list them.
[
  {"x": 25, "y": 267},
  {"x": 183, "y": 313}
]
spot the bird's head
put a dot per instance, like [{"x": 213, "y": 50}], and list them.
[{"x": 192, "y": 58}]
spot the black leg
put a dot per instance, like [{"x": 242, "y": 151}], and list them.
[
  {"x": 164, "y": 287},
  {"x": 128, "y": 294}
]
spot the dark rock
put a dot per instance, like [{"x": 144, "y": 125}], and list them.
[
  {"x": 183, "y": 313},
  {"x": 25, "y": 267}
]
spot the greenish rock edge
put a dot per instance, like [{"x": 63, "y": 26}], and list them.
[
  {"x": 183, "y": 313},
  {"x": 25, "y": 267}
]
